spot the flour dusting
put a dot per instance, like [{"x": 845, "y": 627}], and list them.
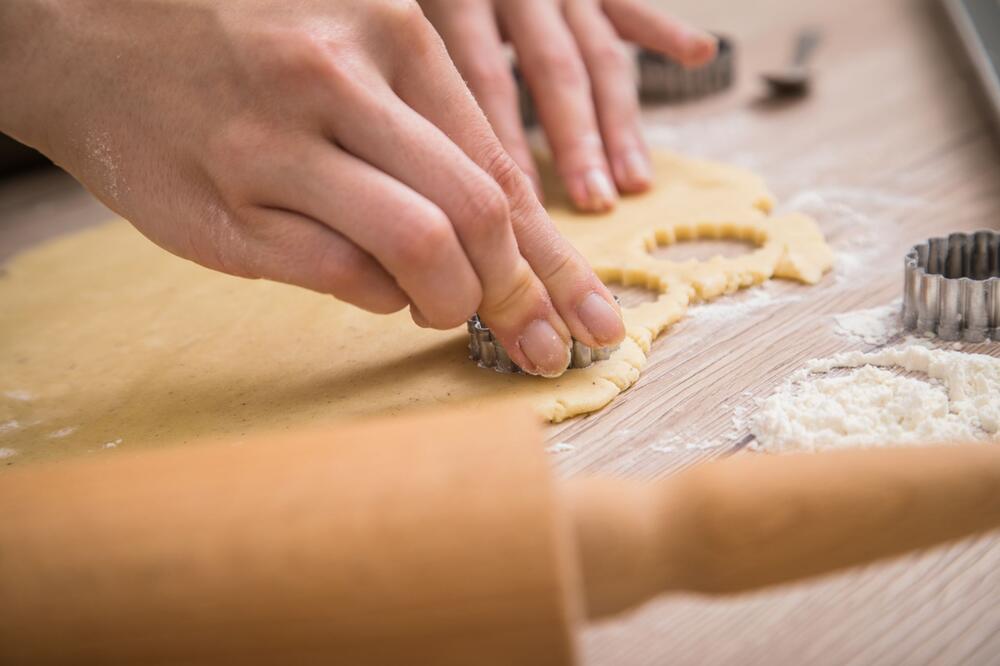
[
  {"x": 560, "y": 447},
  {"x": 9, "y": 426},
  {"x": 957, "y": 399},
  {"x": 7, "y": 453},
  {"x": 741, "y": 304},
  {"x": 874, "y": 326},
  {"x": 19, "y": 394}
]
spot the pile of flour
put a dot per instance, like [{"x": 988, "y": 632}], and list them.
[{"x": 957, "y": 399}]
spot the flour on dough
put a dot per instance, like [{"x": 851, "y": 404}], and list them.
[{"x": 113, "y": 337}]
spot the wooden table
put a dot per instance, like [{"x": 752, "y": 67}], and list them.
[{"x": 889, "y": 149}]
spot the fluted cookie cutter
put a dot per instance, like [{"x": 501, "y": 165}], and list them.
[
  {"x": 487, "y": 351},
  {"x": 951, "y": 287},
  {"x": 665, "y": 80},
  {"x": 660, "y": 78}
]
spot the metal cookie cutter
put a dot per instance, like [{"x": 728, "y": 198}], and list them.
[
  {"x": 664, "y": 80},
  {"x": 951, "y": 287},
  {"x": 485, "y": 350},
  {"x": 660, "y": 79}
]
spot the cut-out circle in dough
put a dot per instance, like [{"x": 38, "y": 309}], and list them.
[
  {"x": 702, "y": 249},
  {"x": 107, "y": 338}
]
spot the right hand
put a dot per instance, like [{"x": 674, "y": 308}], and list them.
[{"x": 329, "y": 144}]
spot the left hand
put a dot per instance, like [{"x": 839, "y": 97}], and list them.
[{"x": 580, "y": 76}]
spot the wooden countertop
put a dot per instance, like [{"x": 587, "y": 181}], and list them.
[{"x": 891, "y": 148}]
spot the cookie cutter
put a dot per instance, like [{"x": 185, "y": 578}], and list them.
[
  {"x": 659, "y": 79},
  {"x": 664, "y": 80},
  {"x": 951, "y": 287},
  {"x": 487, "y": 351}
]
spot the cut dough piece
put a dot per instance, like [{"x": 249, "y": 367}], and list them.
[{"x": 105, "y": 337}]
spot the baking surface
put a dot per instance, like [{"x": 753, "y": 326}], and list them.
[{"x": 891, "y": 148}]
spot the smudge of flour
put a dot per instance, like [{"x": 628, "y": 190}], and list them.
[
  {"x": 874, "y": 326},
  {"x": 743, "y": 303},
  {"x": 62, "y": 432},
  {"x": 9, "y": 426},
  {"x": 854, "y": 220},
  {"x": 560, "y": 447},
  {"x": 20, "y": 395},
  {"x": 7, "y": 453}
]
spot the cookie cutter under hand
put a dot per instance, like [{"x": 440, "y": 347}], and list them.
[
  {"x": 660, "y": 79},
  {"x": 951, "y": 287},
  {"x": 664, "y": 80},
  {"x": 487, "y": 351}
]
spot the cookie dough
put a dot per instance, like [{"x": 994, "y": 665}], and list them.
[{"x": 109, "y": 342}]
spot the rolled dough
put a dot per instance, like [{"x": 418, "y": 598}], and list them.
[{"x": 109, "y": 342}]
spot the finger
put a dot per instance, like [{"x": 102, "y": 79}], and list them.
[
  {"x": 560, "y": 87},
  {"x": 287, "y": 247},
  {"x": 397, "y": 140},
  {"x": 614, "y": 93},
  {"x": 582, "y": 301},
  {"x": 410, "y": 237},
  {"x": 474, "y": 44},
  {"x": 651, "y": 28}
]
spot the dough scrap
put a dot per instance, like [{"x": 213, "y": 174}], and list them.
[{"x": 110, "y": 338}]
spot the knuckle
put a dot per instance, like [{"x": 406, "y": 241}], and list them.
[
  {"x": 515, "y": 292},
  {"x": 340, "y": 272},
  {"x": 425, "y": 239},
  {"x": 561, "y": 262},
  {"x": 345, "y": 274},
  {"x": 231, "y": 149},
  {"x": 400, "y": 14},
  {"x": 485, "y": 213},
  {"x": 509, "y": 176},
  {"x": 490, "y": 77},
  {"x": 503, "y": 169},
  {"x": 300, "y": 59},
  {"x": 611, "y": 56},
  {"x": 561, "y": 66}
]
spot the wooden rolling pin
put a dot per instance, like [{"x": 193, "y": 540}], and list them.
[{"x": 428, "y": 539}]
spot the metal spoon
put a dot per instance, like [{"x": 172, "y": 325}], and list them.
[{"x": 794, "y": 79}]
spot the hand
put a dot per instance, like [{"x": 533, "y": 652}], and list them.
[
  {"x": 580, "y": 77},
  {"x": 329, "y": 144}
]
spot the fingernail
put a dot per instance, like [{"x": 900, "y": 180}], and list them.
[
  {"x": 637, "y": 170},
  {"x": 544, "y": 348},
  {"x": 600, "y": 192},
  {"x": 601, "y": 319},
  {"x": 699, "y": 46}
]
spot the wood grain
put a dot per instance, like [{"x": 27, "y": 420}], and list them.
[{"x": 890, "y": 148}]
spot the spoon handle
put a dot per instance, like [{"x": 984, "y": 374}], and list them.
[{"x": 807, "y": 42}]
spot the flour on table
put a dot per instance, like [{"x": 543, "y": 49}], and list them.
[
  {"x": 560, "y": 447},
  {"x": 19, "y": 395},
  {"x": 741, "y": 304},
  {"x": 956, "y": 400},
  {"x": 874, "y": 326},
  {"x": 7, "y": 453}
]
